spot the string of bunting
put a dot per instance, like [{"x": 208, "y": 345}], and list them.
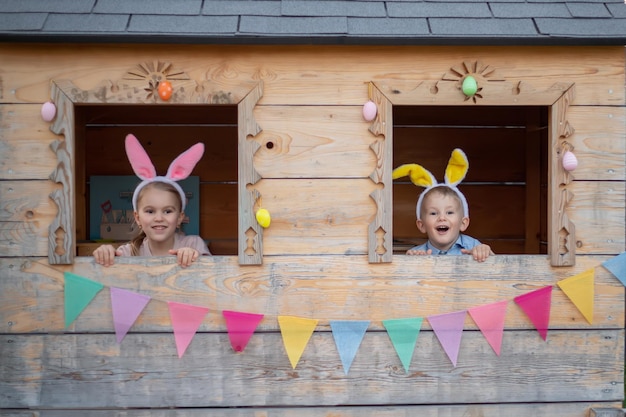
[{"x": 296, "y": 332}]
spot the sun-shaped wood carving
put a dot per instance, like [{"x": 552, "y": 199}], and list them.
[
  {"x": 150, "y": 74},
  {"x": 481, "y": 74}
]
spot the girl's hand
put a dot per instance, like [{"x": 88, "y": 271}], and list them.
[
  {"x": 480, "y": 252},
  {"x": 185, "y": 256},
  {"x": 419, "y": 252},
  {"x": 105, "y": 255}
]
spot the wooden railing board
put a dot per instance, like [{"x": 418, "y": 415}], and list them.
[
  {"x": 75, "y": 371},
  {"x": 321, "y": 287}
]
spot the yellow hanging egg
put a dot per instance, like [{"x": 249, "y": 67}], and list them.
[{"x": 263, "y": 217}]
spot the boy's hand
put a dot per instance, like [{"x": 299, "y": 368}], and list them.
[
  {"x": 105, "y": 255},
  {"x": 185, "y": 256},
  {"x": 419, "y": 252},
  {"x": 479, "y": 253}
]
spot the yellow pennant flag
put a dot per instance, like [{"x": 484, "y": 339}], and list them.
[
  {"x": 579, "y": 289},
  {"x": 296, "y": 332}
]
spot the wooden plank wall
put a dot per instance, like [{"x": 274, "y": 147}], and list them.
[
  {"x": 315, "y": 183},
  {"x": 82, "y": 366}
]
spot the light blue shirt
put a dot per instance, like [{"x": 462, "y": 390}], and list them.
[{"x": 463, "y": 242}]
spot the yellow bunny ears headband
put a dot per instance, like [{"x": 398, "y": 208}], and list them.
[{"x": 457, "y": 168}]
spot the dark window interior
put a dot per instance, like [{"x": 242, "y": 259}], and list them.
[
  {"x": 165, "y": 131},
  {"x": 506, "y": 185}
]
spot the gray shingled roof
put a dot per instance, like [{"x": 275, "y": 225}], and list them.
[{"x": 418, "y": 22}]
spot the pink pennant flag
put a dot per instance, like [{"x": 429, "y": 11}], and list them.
[
  {"x": 449, "y": 328},
  {"x": 536, "y": 305},
  {"x": 240, "y": 327},
  {"x": 126, "y": 306},
  {"x": 490, "y": 320},
  {"x": 186, "y": 319}
]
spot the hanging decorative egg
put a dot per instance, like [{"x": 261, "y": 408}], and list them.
[
  {"x": 570, "y": 162},
  {"x": 48, "y": 111},
  {"x": 369, "y": 111},
  {"x": 165, "y": 90},
  {"x": 263, "y": 217},
  {"x": 469, "y": 87}
]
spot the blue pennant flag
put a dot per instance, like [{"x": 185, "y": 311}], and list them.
[
  {"x": 617, "y": 266},
  {"x": 348, "y": 335}
]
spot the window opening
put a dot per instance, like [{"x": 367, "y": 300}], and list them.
[
  {"x": 139, "y": 86},
  {"x": 163, "y": 131},
  {"x": 507, "y": 180},
  {"x": 554, "y": 100}
]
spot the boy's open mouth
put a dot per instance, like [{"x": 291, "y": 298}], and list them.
[{"x": 442, "y": 228}]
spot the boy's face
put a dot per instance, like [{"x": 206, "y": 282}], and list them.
[{"x": 442, "y": 220}]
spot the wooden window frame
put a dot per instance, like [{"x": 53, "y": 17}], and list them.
[
  {"x": 447, "y": 91},
  {"x": 139, "y": 86}
]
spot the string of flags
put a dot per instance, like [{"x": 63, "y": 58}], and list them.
[{"x": 296, "y": 332}]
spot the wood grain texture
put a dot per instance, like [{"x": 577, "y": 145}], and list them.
[
  {"x": 250, "y": 233},
  {"x": 577, "y": 409},
  {"x": 25, "y": 213},
  {"x": 294, "y": 74},
  {"x": 561, "y": 229},
  {"x": 321, "y": 287},
  {"x": 69, "y": 371}
]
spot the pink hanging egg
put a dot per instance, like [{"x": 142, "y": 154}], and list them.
[
  {"x": 48, "y": 111},
  {"x": 369, "y": 111},
  {"x": 569, "y": 161}
]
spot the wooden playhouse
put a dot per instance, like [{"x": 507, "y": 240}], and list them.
[{"x": 350, "y": 325}]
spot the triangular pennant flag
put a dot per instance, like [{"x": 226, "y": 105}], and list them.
[
  {"x": 79, "y": 292},
  {"x": 126, "y": 306},
  {"x": 449, "y": 328},
  {"x": 536, "y": 305},
  {"x": 490, "y": 320},
  {"x": 579, "y": 289},
  {"x": 186, "y": 319},
  {"x": 348, "y": 335},
  {"x": 403, "y": 334},
  {"x": 617, "y": 266},
  {"x": 240, "y": 327},
  {"x": 296, "y": 332}
]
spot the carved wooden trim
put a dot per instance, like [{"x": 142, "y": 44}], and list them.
[
  {"x": 250, "y": 232},
  {"x": 380, "y": 233},
  {"x": 61, "y": 239},
  {"x": 562, "y": 242},
  {"x": 139, "y": 86},
  {"x": 493, "y": 92}
]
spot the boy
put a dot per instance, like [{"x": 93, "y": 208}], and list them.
[{"x": 442, "y": 211}]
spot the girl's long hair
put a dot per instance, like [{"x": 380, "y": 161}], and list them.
[{"x": 136, "y": 242}]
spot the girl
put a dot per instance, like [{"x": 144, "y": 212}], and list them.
[{"x": 159, "y": 204}]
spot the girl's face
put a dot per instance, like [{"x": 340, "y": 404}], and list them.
[
  {"x": 442, "y": 220},
  {"x": 158, "y": 214}
]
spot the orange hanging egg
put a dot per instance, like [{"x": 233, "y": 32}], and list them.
[{"x": 165, "y": 90}]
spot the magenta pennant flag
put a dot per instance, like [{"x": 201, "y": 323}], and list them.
[
  {"x": 126, "y": 306},
  {"x": 186, "y": 319},
  {"x": 449, "y": 328},
  {"x": 536, "y": 305},
  {"x": 490, "y": 320},
  {"x": 240, "y": 327}
]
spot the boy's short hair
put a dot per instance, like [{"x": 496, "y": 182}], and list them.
[{"x": 443, "y": 190}]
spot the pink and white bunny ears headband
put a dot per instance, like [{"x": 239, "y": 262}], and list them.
[
  {"x": 178, "y": 170},
  {"x": 457, "y": 168}
]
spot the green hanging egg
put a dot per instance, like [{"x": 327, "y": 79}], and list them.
[{"x": 469, "y": 86}]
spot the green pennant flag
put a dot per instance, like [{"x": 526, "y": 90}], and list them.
[
  {"x": 79, "y": 292},
  {"x": 403, "y": 334}
]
